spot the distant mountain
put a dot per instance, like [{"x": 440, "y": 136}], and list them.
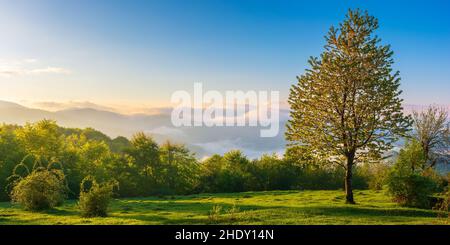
[
  {"x": 6, "y": 104},
  {"x": 112, "y": 124},
  {"x": 203, "y": 140},
  {"x": 17, "y": 114}
]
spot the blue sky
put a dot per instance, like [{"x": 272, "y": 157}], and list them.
[{"x": 136, "y": 53}]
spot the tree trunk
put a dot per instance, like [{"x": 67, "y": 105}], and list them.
[{"x": 348, "y": 181}]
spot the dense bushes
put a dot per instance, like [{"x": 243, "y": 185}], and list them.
[
  {"x": 233, "y": 172},
  {"x": 443, "y": 203},
  {"x": 311, "y": 174},
  {"x": 408, "y": 183},
  {"x": 273, "y": 173},
  {"x": 228, "y": 173},
  {"x": 411, "y": 190},
  {"x": 11, "y": 153},
  {"x": 41, "y": 189},
  {"x": 95, "y": 197}
]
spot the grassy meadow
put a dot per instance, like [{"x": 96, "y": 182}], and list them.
[{"x": 271, "y": 207}]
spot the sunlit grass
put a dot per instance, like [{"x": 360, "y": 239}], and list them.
[{"x": 272, "y": 207}]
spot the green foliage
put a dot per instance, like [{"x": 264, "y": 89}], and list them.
[
  {"x": 143, "y": 168},
  {"x": 179, "y": 169},
  {"x": 313, "y": 174},
  {"x": 411, "y": 190},
  {"x": 347, "y": 106},
  {"x": 145, "y": 152},
  {"x": 271, "y": 172},
  {"x": 411, "y": 157},
  {"x": 349, "y": 99},
  {"x": 41, "y": 189},
  {"x": 11, "y": 152},
  {"x": 221, "y": 215},
  {"x": 376, "y": 174},
  {"x": 119, "y": 144},
  {"x": 42, "y": 139},
  {"x": 439, "y": 181},
  {"x": 227, "y": 173},
  {"x": 94, "y": 197},
  {"x": 408, "y": 183},
  {"x": 123, "y": 169},
  {"x": 214, "y": 214},
  {"x": 146, "y": 165},
  {"x": 443, "y": 204}
]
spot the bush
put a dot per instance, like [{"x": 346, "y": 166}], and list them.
[
  {"x": 41, "y": 189},
  {"x": 443, "y": 203},
  {"x": 94, "y": 197},
  {"x": 214, "y": 214},
  {"x": 439, "y": 180},
  {"x": 411, "y": 190}
]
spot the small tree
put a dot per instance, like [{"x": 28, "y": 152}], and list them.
[
  {"x": 346, "y": 107},
  {"x": 180, "y": 168},
  {"x": 144, "y": 152},
  {"x": 431, "y": 130},
  {"x": 411, "y": 157}
]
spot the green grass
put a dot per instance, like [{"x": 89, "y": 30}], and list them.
[{"x": 272, "y": 207}]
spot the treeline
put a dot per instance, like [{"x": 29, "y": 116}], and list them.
[{"x": 143, "y": 168}]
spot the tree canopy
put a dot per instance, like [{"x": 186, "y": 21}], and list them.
[{"x": 346, "y": 107}]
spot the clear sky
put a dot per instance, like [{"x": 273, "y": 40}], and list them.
[{"x": 137, "y": 53}]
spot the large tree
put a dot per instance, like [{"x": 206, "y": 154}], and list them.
[{"x": 346, "y": 107}]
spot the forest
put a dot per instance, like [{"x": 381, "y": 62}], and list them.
[{"x": 144, "y": 168}]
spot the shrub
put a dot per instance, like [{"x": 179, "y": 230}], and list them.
[
  {"x": 439, "y": 180},
  {"x": 95, "y": 197},
  {"x": 41, "y": 189},
  {"x": 443, "y": 204},
  {"x": 219, "y": 215},
  {"x": 214, "y": 214},
  {"x": 411, "y": 190}
]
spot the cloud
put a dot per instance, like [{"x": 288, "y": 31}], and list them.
[
  {"x": 50, "y": 69},
  {"x": 30, "y": 60},
  {"x": 57, "y": 106},
  {"x": 223, "y": 146},
  {"x": 164, "y": 130},
  {"x": 10, "y": 68},
  {"x": 117, "y": 108},
  {"x": 10, "y": 71}
]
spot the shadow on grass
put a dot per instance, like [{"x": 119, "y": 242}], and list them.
[
  {"x": 60, "y": 212},
  {"x": 195, "y": 209},
  {"x": 355, "y": 211},
  {"x": 183, "y": 212}
]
